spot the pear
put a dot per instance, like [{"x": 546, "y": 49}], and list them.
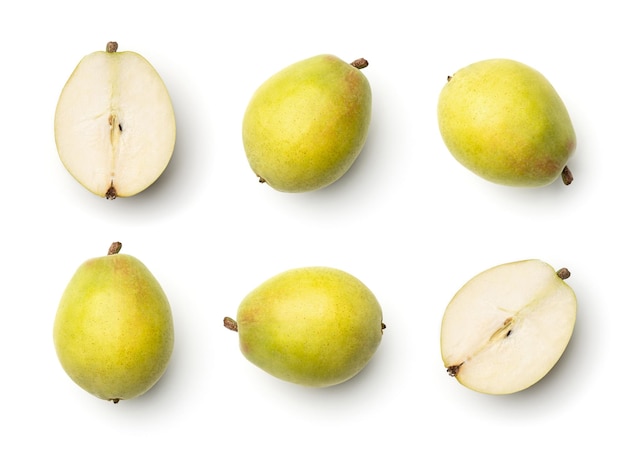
[
  {"x": 505, "y": 122},
  {"x": 506, "y": 328},
  {"x": 113, "y": 330},
  {"x": 306, "y": 125},
  {"x": 313, "y": 326},
  {"x": 114, "y": 123}
]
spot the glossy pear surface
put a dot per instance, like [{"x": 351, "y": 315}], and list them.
[
  {"x": 113, "y": 330},
  {"x": 114, "y": 123},
  {"x": 508, "y": 326},
  {"x": 505, "y": 122},
  {"x": 306, "y": 125},
  {"x": 313, "y": 326}
]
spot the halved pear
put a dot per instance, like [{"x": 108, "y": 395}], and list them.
[
  {"x": 114, "y": 123},
  {"x": 508, "y": 326}
]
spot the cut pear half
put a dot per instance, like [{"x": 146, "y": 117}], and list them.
[
  {"x": 507, "y": 327},
  {"x": 114, "y": 124}
]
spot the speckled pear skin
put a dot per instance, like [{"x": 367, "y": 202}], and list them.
[
  {"x": 313, "y": 326},
  {"x": 306, "y": 125},
  {"x": 505, "y": 122},
  {"x": 113, "y": 331}
]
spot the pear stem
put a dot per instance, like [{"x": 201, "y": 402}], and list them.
[
  {"x": 115, "y": 248},
  {"x": 567, "y": 176},
  {"x": 230, "y": 324},
  {"x": 360, "y": 63},
  {"x": 111, "y": 47},
  {"x": 563, "y": 273}
]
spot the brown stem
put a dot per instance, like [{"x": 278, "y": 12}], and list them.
[
  {"x": 230, "y": 324},
  {"x": 111, "y": 47},
  {"x": 563, "y": 273},
  {"x": 567, "y": 176},
  {"x": 360, "y": 63},
  {"x": 115, "y": 248}
]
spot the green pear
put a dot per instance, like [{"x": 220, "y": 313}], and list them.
[
  {"x": 505, "y": 122},
  {"x": 113, "y": 330},
  {"x": 305, "y": 126},
  {"x": 313, "y": 326},
  {"x": 114, "y": 123}
]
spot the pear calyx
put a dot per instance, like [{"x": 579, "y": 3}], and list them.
[
  {"x": 567, "y": 176},
  {"x": 231, "y": 324},
  {"x": 453, "y": 370},
  {"x": 111, "y": 47},
  {"x": 111, "y": 192}
]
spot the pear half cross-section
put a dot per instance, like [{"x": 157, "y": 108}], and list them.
[
  {"x": 507, "y": 327},
  {"x": 114, "y": 124}
]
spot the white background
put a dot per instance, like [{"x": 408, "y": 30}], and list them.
[{"x": 407, "y": 220}]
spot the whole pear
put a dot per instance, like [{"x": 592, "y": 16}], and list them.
[
  {"x": 313, "y": 326},
  {"x": 113, "y": 330},
  {"x": 305, "y": 126},
  {"x": 505, "y": 122}
]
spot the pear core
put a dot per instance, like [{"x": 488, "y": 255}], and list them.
[
  {"x": 505, "y": 122},
  {"x": 313, "y": 326},
  {"x": 113, "y": 330},
  {"x": 306, "y": 125}
]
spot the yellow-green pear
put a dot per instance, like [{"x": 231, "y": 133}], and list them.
[
  {"x": 505, "y": 122},
  {"x": 113, "y": 330},
  {"x": 114, "y": 123},
  {"x": 305, "y": 126},
  {"x": 313, "y": 326}
]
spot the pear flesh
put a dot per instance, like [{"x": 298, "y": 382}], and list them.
[
  {"x": 114, "y": 123},
  {"x": 113, "y": 331},
  {"x": 507, "y": 327},
  {"x": 306, "y": 125},
  {"x": 313, "y": 326},
  {"x": 505, "y": 122}
]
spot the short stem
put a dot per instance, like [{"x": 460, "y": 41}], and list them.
[
  {"x": 111, "y": 47},
  {"x": 563, "y": 273},
  {"x": 230, "y": 324},
  {"x": 115, "y": 248},
  {"x": 360, "y": 63}
]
